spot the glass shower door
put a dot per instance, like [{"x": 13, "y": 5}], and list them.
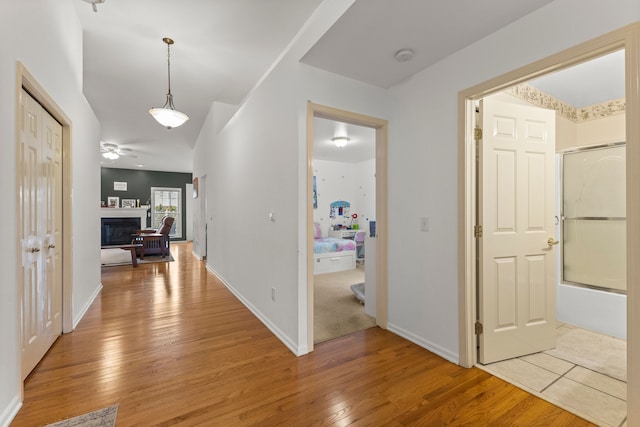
[{"x": 594, "y": 218}]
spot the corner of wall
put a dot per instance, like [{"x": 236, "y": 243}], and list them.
[
  {"x": 78, "y": 317},
  {"x": 10, "y": 412}
]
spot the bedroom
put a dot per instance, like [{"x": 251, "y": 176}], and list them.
[{"x": 344, "y": 206}]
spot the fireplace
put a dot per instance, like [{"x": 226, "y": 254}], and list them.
[{"x": 118, "y": 231}]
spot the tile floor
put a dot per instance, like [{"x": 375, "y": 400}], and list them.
[{"x": 574, "y": 384}]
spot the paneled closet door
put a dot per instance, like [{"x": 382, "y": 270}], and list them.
[{"x": 40, "y": 161}]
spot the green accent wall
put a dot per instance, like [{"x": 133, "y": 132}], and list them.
[{"x": 139, "y": 183}]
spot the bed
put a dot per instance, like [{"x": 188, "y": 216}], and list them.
[{"x": 331, "y": 255}]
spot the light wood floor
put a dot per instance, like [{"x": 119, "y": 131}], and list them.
[{"x": 171, "y": 345}]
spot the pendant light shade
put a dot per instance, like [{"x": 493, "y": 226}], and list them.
[
  {"x": 168, "y": 116},
  {"x": 340, "y": 141},
  {"x": 340, "y": 137}
]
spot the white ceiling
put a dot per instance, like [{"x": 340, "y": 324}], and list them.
[
  {"x": 363, "y": 42},
  {"x": 223, "y": 47},
  {"x": 593, "y": 82},
  {"x": 361, "y": 145}
]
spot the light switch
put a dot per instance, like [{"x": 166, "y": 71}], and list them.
[
  {"x": 272, "y": 216},
  {"x": 424, "y": 223}
]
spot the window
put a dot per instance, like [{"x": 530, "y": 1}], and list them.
[{"x": 167, "y": 201}]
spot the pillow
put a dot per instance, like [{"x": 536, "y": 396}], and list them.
[{"x": 317, "y": 231}]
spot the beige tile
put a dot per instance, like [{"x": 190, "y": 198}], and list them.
[
  {"x": 587, "y": 401},
  {"x": 598, "y": 381},
  {"x": 592, "y": 350},
  {"x": 523, "y": 373},
  {"x": 561, "y": 330},
  {"x": 550, "y": 363}
]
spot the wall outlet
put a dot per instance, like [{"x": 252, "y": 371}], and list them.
[
  {"x": 424, "y": 223},
  {"x": 273, "y": 294}
]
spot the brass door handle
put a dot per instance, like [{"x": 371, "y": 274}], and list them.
[
  {"x": 551, "y": 241},
  {"x": 33, "y": 250},
  {"x": 51, "y": 246}
]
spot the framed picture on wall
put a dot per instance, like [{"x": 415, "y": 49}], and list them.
[
  {"x": 315, "y": 193},
  {"x": 113, "y": 202},
  {"x": 195, "y": 187},
  {"x": 128, "y": 203}
]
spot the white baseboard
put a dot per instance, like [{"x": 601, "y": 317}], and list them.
[
  {"x": 10, "y": 412},
  {"x": 82, "y": 312},
  {"x": 265, "y": 320},
  {"x": 434, "y": 348}
]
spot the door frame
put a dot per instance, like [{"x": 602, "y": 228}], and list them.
[
  {"x": 24, "y": 79},
  {"x": 381, "y": 128},
  {"x": 627, "y": 38}
]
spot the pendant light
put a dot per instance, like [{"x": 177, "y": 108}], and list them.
[
  {"x": 340, "y": 141},
  {"x": 168, "y": 116},
  {"x": 340, "y": 137}
]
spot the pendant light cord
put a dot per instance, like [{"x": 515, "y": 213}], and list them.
[{"x": 169, "y": 64}]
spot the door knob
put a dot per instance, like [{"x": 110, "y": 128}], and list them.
[
  {"x": 551, "y": 241},
  {"x": 33, "y": 250},
  {"x": 51, "y": 246}
]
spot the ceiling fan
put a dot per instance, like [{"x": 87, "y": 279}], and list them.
[{"x": 112, "y": 151}]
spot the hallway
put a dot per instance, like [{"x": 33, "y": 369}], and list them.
[{"x": 169, "y": 344}]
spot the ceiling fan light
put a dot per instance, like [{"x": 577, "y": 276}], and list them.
[
  {"x": 111, "y": 155},
  {"x": 168, "y": 117}
]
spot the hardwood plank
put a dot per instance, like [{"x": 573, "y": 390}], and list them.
[{"x": 171, "y": 345}]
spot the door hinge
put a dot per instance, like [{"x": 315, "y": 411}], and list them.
[
  {"x": 477, "y": 231},
  {"x": 477, "y": 134},
  {"x": 478, "y": 328}
]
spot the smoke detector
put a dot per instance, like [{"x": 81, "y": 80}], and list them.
[{"x": 404, "y": 55}]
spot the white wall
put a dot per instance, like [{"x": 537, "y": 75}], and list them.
[
  {"x": 353, "y": 182},
  {"x": 218, "y": 116},
  {"x": 56, "y": 62},
  {"x": 366, "y": 192},
  {"x": 335, "y": 181}
]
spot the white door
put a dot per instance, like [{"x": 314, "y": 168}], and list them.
[
  {"x": 516, "y": 211},
  {"x": 40, "y": 231}
]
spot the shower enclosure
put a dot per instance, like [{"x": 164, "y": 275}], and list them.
[{"x": 593, "y": 282}]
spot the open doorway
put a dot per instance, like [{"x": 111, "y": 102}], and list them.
[
  {"x": 584, "y": 350},
  {"x": 578, "y": 55},
  {"x": 338, "y": 218},
  {"x": 344, "y": 213}
]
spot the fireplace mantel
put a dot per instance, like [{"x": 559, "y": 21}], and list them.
[{"x": 140, "y": 212}]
